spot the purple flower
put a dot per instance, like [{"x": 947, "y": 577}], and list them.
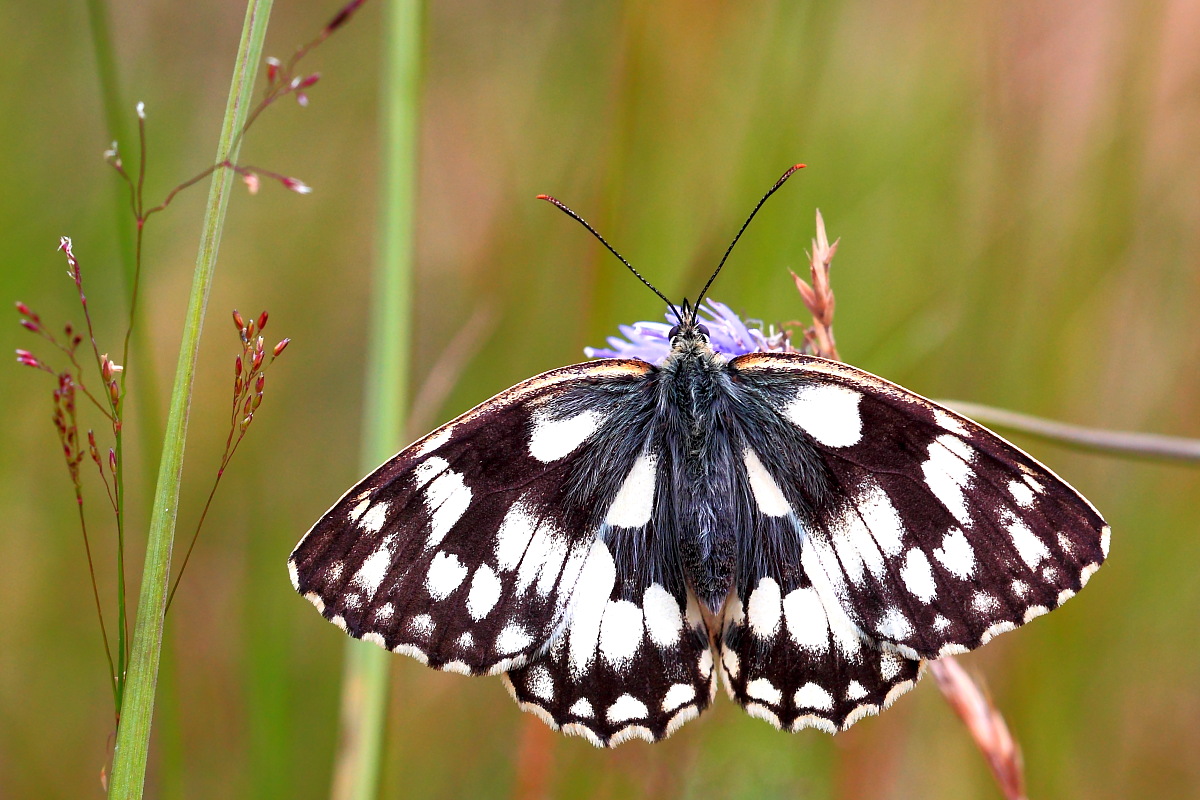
[{"x": 730, "y": 336}]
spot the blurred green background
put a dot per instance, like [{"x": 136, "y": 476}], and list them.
[{"x": 1017, "y": 188}]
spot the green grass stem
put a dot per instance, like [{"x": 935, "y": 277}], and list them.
[
  {"x": 365, "y": 688},
  {"x": 133, "y": 734}
]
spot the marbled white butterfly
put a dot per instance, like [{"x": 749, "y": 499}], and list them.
[{"x": 607, "y": 534}]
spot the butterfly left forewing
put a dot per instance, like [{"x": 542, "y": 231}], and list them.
[
  {"x": 933, "y": 534},
  {"x": 464, "y": 549}
]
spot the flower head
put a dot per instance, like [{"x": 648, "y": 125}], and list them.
[{"x": 729, "y": 334}]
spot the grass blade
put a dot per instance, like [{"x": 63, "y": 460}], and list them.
[
  {"x": 133, "y": 735},
  {"x": 365, "y": 683}
]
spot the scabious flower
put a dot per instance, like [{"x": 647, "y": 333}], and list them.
[{"x": 730, "y": 336}]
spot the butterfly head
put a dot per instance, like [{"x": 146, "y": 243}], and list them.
[{"x": 689, "y": 333}]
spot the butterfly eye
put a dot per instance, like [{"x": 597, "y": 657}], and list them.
[
  {"x": 703, "y": 330},
  {"x": 674, "y": 332}
]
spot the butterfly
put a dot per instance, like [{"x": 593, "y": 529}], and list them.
[{"x": 611, "y": 535}]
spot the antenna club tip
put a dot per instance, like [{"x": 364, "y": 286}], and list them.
[
  {"x": 543, "y": 197},
  {"x": 799, "y": 166}
]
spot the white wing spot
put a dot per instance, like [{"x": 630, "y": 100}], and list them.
[
  {"x": 447, "y": 499},
  {"x": 894, "y": 625},
  {"x": 810, "y": 695},
  {"x": 1030, "y": 548},
  {"x": 807, "y": 622},
  {"x": 384, "y": 612},
  {"x": 556, "y": 556},
  {"x": 947, "y": 474},
  {"x": 940, "y": 623},
  {"x": 918, "y": 575},
  {"x": 373, "y": 570},
  {"x": 625, "y": 708},
  {"x": 513, "y": 638},
  {"x": 855, "y": 546},
  {"x": 856, "y": 691},
  {"x": 375, "y": 518},
  {"x": 515, "y": 532},
  {"x": 889, "y": 665},
  {"x": 984, "y": 603},
  {"x": 421, "y": 624},
  {"x": 429, "y": 469},
  {"x": 581, "y": 708},
  {"x": 360, "y": 509},
  {"x": 1021, "y": 493},
  {"x": 763, "y": 689},
  {"x": 664, "y": 622},
  {"x": 591, "y": 595},
  {"x": 544, "y": 553},
  {"x": 1020, "y": 588},
  {"x": 880, "y": 516},
  {"x": 484, "y": 592},
  {"x": 1035, "y": 484},
  {"x": 466, "y": 641},
  {"x": 539, "y": 683},
  {"x": 949, "y": 423},
  {"x": 1105, "y": 540},
  {"x": 764, "y": 609},
  {"x": 552, "y": 439},
  {"x": 620, "y": 631},
  {"x": 766, "y": 491},
  {"x": 827, "y": 412},
  {"x": 634, "y": 503},
  {"x": 677, "y": 695},
  {"x": 956, "y": 554},
  {"x": 445, "y": 575}
]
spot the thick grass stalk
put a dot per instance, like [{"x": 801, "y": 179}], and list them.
[
  {"x": 133, "y": 733},
  {"x": 365, "y": 687}
]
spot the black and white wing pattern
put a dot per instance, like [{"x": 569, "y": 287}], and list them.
[
  {"x": 495, "y": 544},
  {"x": 462, "y": 551},
  {"x": 931, "y": 535}
]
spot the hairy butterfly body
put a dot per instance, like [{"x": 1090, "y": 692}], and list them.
[{"x": 612, "y": 534}]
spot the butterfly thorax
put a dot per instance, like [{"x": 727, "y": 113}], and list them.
[{"x": 694, "y": 390}]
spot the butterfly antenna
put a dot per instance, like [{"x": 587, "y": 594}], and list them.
[
  {"x": 563, "y": 207},
  {"x": 728, "y": 250}
]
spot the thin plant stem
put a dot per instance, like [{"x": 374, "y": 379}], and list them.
[
  {"x": 133, "y": 734},
  {"x": 87, "y": 549},
  {"x": 357, "y": 771},
  {"x": 1145, "y": 445}
]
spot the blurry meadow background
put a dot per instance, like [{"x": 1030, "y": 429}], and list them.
[{"x": 1017, "y": 190}]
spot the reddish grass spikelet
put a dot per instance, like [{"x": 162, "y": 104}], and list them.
[
  {"x": 985, "y": 723},
  {"x": 818, "y": 297},
  {"x": 297, "y": 186},
  {"x": 342, "y": 17},
  {"x": 28, "y": 359},
  {"x": 249, "y": 387}
]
